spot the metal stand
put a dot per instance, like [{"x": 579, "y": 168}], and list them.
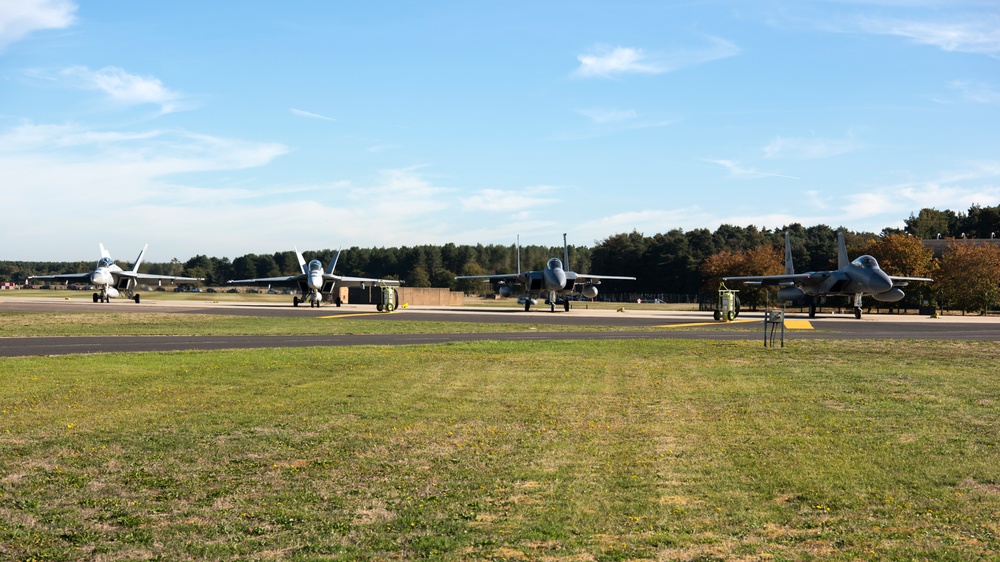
[{"x": 773, "y": 319}]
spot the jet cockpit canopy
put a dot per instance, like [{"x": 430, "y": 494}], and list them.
[
  {"x": 866, "y": 261},
  {"x": 105, "y": 262},
  {"x": 315, "y": 265},
  {"x": 554, "y": 263}
]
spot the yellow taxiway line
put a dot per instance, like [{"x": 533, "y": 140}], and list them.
[{"x": 790, "y": 324}]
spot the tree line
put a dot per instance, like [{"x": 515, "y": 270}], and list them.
[{"x": 674, "y": 262}]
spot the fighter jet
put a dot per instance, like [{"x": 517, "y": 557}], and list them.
[
  {"x": 852, "y": 279},
  {"x": 113, "y": 281},
  {"x": 313, "y": 283},
  {"x": 554, "y": 280}
]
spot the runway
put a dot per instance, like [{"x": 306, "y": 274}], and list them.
[{"x": 649, "y": 324}]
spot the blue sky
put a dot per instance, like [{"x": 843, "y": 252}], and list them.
[{"x": 223, "y": 128}]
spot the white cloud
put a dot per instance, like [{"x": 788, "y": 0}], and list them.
[
  {"x": 310, "y": 115},
  {"x": 18, "y": 18},
  {"x": 601, "y": 116},
  {"x": 737, "y": 170},
  {"x": 604, "y": 62},
  {"x": 981, "y": 36},
  {"x": 650, "y": 220},
  {"x": 978, "y": 184},
  {"x": 978, "y": 92},
  {"x": 495, "y": 200},
  {"x": 807, "y": 148},
  {"x": 125, "y": 88}
]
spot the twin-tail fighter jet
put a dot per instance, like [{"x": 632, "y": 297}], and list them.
[
  {"x": 111, "y": 280},
  {"x": 313, "y": 282},
  {"x": 556, "y": 279},
  {"x": 854, "y": 279}
]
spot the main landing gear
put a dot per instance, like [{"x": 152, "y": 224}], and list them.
[
  {"x": 104, "y": 297},
  {"x": 312, "y": 302}
]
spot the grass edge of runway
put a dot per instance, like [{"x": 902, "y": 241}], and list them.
[{"x": 615, "y": 450}]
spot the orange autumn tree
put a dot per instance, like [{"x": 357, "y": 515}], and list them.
[
  {"x": 970, "y": 277},
  {"x": 762, "y": 260}
]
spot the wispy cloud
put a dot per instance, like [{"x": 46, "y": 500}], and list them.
[
  {"x": 977, "y": 92},
  {"x": 807, "y": 148},
  {"x": 603, "y": 61},
  {"x": 981, "y": 36},
  {"x": 737, "y": 170},
  {"x": 496, "y": 200},
  {"x": 978, "y": 183},
  {"x": 608, "y": 115},
  {"x": 18, "y": 18},
  {"x": 311, "y": 115},
  {"x": 125, "y": 88}
]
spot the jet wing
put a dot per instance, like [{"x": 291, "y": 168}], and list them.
[
  {"x": 149, "y": 277},
  {"x": 70, "y": 277},
  {"x": 775, "y": 280},
  {"x": 895, "y": 278},
  {"x": 497, "y": 277},
  {"x": 585, "y": 277},
  {"x": 286, "y": 281},
  {"x": 898, "y": 281},
  {"x": 359, "y": 281}
]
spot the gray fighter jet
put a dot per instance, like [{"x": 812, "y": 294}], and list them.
[
  {"x": 313, "y": 282},
  {"x": 854, "y": 279},
  {"x": 552, "y": 281},
  {"x": 111, "y": 280}
]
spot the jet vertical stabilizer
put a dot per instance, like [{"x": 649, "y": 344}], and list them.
[
  {"x": 138, "y": 260},
  {"x": 842, "y": 259},
  {"x": 566, "y": 254},
  {"x": 333, "y": 261},
  {"x": 518, "y": 254},
  {"x": 104, "y": 252},
  {"x": 789, "y": 267},
  {"x": 302, "y": 260}
]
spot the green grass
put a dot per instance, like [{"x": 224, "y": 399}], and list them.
[
  {"x": 533, "y": 450},
  {"x": 26, "y": 324}
]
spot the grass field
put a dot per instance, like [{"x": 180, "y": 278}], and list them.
[{"x": 687, "y": 450}]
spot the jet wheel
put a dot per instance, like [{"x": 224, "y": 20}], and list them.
[
  {"x": 857, "y": 312},
  {"x": 96, "y": 297},
  {"x": 295, "y": 301},
  {"x": 566, "y": 305},
  {"x": 136, "y": 299}
]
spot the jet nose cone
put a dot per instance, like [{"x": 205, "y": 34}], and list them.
[
  {"x": 555, "y": 279},
  {"x": 97, "y": 278}
]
